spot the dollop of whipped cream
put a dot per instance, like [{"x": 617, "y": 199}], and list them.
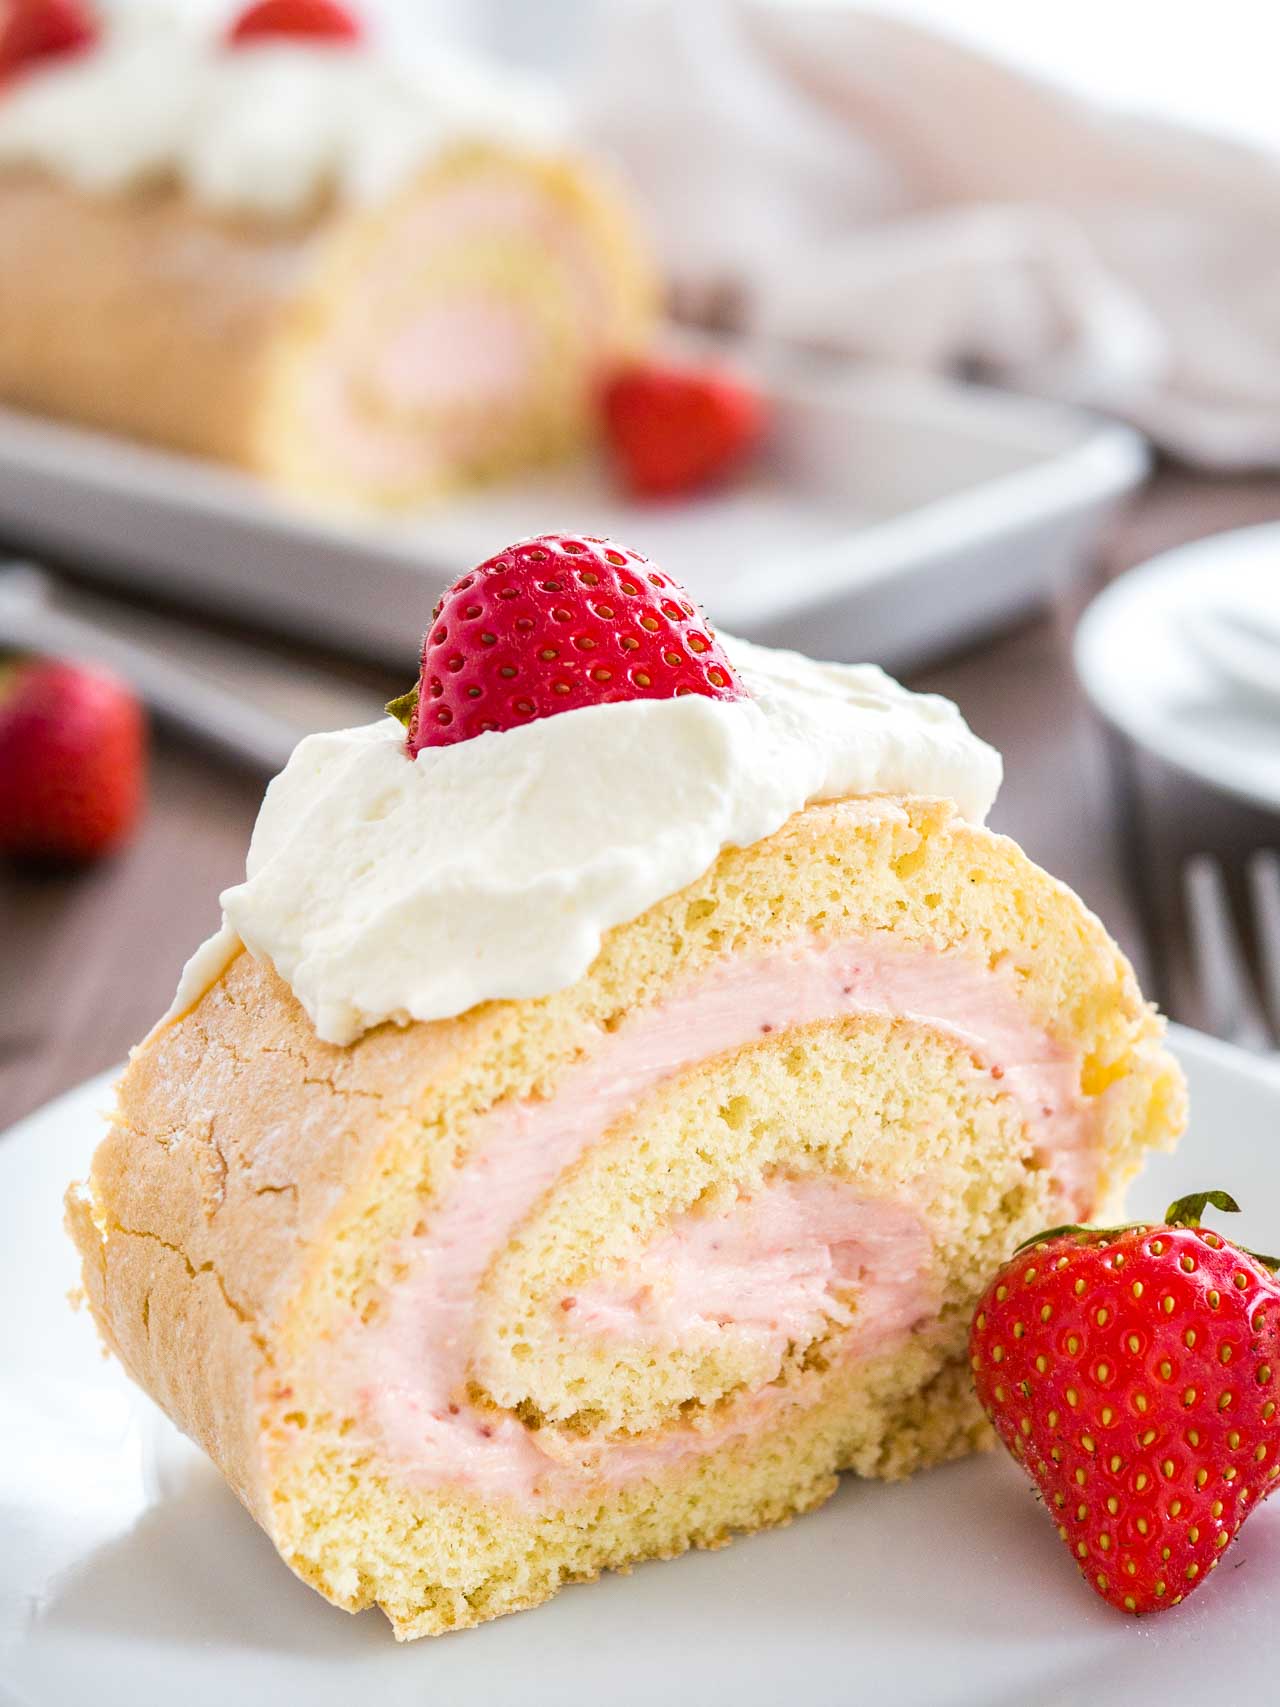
[
  {"x": 267, "y": 128},
  {"x": 388, "y": 888}
]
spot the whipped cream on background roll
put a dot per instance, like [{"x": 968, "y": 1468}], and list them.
[
  {"x": 265, "y": 128},
  {"x": 388, "y": 888}
]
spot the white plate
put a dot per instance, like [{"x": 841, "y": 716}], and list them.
[
  {"x": 893, "y": 516},
  {"x": 1157, "y": 660},
  {"x": 1243, "y": 642},
  {"x": 129, "y": 1575}
]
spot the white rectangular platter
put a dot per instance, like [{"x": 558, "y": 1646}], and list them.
[{"x": 892, "y": 517}]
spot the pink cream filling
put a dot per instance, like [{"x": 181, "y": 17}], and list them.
[
  {"x": 778, "y": 1266},
  {"x": 774, "y": 1270},
  {"x": 455, "y": 352}
]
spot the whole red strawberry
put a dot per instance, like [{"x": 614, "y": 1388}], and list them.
[
  {"x": 1134, "y": 1373},
  {"x": 72, "y": 761},
  {"x": 553, "y": 624},
  {"x": 317, "y": 20},
  {"x": 673, "y": 430},
  {"x": 32, "y": 30}
]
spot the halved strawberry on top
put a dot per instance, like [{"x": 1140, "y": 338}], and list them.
[{"x": 552, "y": 624}]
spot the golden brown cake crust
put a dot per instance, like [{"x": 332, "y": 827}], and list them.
[{"x": 236, "y": 1132}]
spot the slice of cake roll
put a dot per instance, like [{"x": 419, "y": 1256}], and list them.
[
  {"x": 366, "y": 282},
  {"x": 603, "y": 1104}
]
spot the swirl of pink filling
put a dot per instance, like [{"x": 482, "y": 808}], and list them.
[
  {"x": 460, "y": 355},
  {"x": 776, "y": 1268}
]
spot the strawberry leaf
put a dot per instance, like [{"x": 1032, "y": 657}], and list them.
[
  {"x": 403, "y": 707},
  {"x": 1186, "y": 1211}
]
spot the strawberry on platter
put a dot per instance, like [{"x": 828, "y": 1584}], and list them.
[
  {"x": 674, "y": 430},
  {"x": 1134, "y": 1372}
]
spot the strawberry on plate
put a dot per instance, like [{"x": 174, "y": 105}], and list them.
[
  {"x": 312, "y": 20},
  {"x": 1134, "y": 1372},
  {"x": 33, "y": 30},
  {"x": 72, "y": 761},
  {"x": 674, "y": 430},
  {"x": 552, "y": 624}
]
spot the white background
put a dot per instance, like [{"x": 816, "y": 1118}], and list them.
[
  {"x": 1215, "y": 64},
  {"x": 1211, "y": 64}
]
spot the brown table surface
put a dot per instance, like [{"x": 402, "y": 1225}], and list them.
[{"x": 88, "y": 960}]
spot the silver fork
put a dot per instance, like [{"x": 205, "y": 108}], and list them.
[{"x": 1237, "y": 1005}]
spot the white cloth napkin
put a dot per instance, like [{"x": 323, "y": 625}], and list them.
[{"x": 840, "y": 179}]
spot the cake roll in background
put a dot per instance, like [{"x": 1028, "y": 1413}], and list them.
[{"x": 366, "y": 280}]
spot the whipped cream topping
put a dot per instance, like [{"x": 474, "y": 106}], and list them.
[
  {"x": 265, "y": 128},
  {"x": 388, "y": 888}
]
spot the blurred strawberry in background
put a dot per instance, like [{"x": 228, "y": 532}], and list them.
[
  {"x": 318, "y": 20},
  {"x": 674, "y": 429},
  {"x": 73, "y": 747},
  {"x": 31, "y": 30}
]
